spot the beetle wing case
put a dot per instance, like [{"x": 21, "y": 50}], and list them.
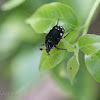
[{"x": 53, "y": 37}]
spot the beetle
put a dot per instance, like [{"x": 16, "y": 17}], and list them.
[{"x": 53, "y": 38}]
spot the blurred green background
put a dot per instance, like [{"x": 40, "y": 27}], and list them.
[{"x": 20, "y": 78}]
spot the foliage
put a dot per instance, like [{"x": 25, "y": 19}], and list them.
[
  {"x": 19, "y": 45},
  {"x": 49, "y": 61},
  {"x": 89, "y": 44},
  {"x": 93, "y": 65},
  {"x": 72, "y": 67},
  {"x": 46, "y": 17}
]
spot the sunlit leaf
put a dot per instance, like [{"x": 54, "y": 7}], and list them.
[
  {"x": 46, "y": 17},
  {"x": 81, "y": 81},
  {"x": 68, "y": 46},
  {"x": 89, "y": 43},
  {"x": 72, "y": 68},
  {"x": 76, "y": 52},
  {"x": 55, "y": 57},
  {"x": 72, "y": 36},
  {"x": 93, "y": 65}
]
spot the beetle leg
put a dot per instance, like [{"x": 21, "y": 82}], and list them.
[
  {"x": 59, "y": 48},
  {"x": 44, "y": 49},
  {"x": 67, "y": 34}
]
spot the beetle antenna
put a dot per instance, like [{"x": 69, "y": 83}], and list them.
[
  {"x": 57, "y": 22},
  {"x": 43, "y": 49}
]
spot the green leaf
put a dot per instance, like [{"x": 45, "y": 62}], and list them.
[
  {"x": 72, "y": 68},
  {"x": 68, "y": 46},
  {"x": 55, "y": 57},
  {"x": 10, "y": 4},
  {"x": 89, "y": 44},
  {"x": 93, "y": 65},
  {"x": 46, "y": 17},
  {"x": 72, "y": 36},
  {"x": 76, "y": 52}
]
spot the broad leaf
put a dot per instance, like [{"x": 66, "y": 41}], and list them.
[
  {"x": 10, "y": 4},
  {"x": 72, "y": 68},
  {"x": 68, "y": 46},
  {"x": 93, "y": 65},
  {"x": 89, "y": 44},
  {"x": 72, "y": 36},
  {"x": 46, "y": 17},
  {"x": 76, "y": 52},
  {"x": 55, "y": 57}
]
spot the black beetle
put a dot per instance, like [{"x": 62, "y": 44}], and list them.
[{"x": 53, "y": 38}]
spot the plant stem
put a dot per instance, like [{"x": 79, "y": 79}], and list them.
[{"x": 88, "y": 21}]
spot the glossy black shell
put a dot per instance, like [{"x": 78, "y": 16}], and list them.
[{"x": 53, "y": 37}]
